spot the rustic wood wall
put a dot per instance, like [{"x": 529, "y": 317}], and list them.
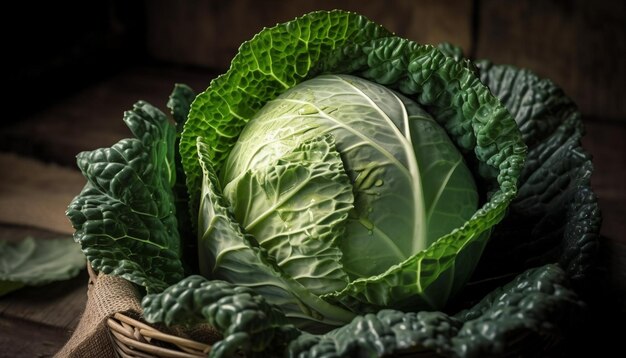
[{"x": 579, "y": 44}]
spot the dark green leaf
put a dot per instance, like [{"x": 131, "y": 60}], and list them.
[
  {"x": 555, "y": 217},
  {"x": 251, "y": 326},
  {"x": 179, "y": 104},
  {"x": 477, "y": 123},
  {"x": 125, "y": 217},
  {"x": 534, "y": 305},
  {"x": 341, "y": 42}
]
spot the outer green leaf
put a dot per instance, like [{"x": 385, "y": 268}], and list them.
[
  {"x": 38, "y": 262},
  {"x": 227, "y": 254},
  {"x": 555, "y": 216},
  {"x": 250, "y": 325},
  {"x": 535, "y": 304},
  {"x": 296, "y": 208},
  {"x": 476, "y": 121},
  {"x": 125, "y": 217},
  {"x": 273, "y": 61}
]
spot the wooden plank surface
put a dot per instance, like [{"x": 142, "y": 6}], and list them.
[
  {"x": 33, "y": 193},
  {"x": 57, "y": 304},
  {"x": 25, "y": 338},
  {"x": 33, "y": 198}
]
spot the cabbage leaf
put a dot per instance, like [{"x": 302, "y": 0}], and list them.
[
  {"x": 125, "y": 217},
  {"x": 37, "y": 262},
  {"x": 555, "y": 217},
  {"x": 226, "y": 253}
]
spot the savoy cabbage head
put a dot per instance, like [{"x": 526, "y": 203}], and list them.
[
  {"x": 347, "y": 168},
  {"x": 340, "y": 176}
]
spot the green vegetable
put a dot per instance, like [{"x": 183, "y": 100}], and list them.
[
  {"x": 535, "y": 303},
  {"x": 275, "y": 60},
  {"x": 236, "y": 257},
  {"x": 350, "y": 189},
  {"x": 411, "y": 185},
  {"x": 38, "y": 262},
  {"x": 555, "y": 217},
  {"x": 337, "y": 175},
  {"x": 125, "y": 217}
]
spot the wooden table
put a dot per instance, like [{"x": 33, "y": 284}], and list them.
[{"x": 35, "y": 322}]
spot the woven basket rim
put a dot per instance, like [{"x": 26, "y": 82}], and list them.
[{"x": 133, "y": 338}]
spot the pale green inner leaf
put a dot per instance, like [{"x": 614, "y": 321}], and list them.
[
  {"x": 296, "y": 208},
  {"x": 228, "y": 254}
]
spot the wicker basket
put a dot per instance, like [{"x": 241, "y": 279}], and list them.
[
  {"x": 136, "y": 339},
  {"x": 132, "y": 338}
]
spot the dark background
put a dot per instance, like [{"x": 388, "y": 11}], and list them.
[
  {"x": 59, "y": 47},
  {"x": 73, "y": 67}
]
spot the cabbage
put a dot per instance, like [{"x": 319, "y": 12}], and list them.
[
  {"x": 378, "y": 182},
  {"x": 334, "y": 169},
  {"x": 340, "y": 179}
]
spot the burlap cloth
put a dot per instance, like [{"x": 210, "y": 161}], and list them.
[{"x": 106, "y": 296}]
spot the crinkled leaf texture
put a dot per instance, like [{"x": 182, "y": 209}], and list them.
[
  {"x": 344, "y": 43},
  {"x": 533, "y": 306},
  {"x": 125, "y": 217},
  {"x": 477, "y": 123},
  {"x": 38, "y": 262},
  {"x": 411, "y": 185},
  {"x": 229, "y": 254},
  {"x": 250, "y": 325},
  {"x": 179, "y": 104},
  {"x": 274, "y": 60},
  {"x": 296, "y": 208},
  {"x": 555, "y": 217},
  {"x": 530, "y": 309}
]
